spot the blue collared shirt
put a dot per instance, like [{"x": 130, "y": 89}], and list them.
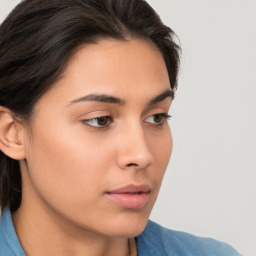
[{"x": 154, "y": 241}]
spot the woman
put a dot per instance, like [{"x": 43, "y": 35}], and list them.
[{"x": 85, "y": 90}]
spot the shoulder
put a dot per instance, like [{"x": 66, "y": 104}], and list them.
[
  {"x": 9, "y": 243},
  {"x": 159, "y": 241}
]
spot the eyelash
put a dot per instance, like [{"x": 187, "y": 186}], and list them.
[{"x": 109, "y": 120}]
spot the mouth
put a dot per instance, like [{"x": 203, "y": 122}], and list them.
[{"x": 130, "y": 196}]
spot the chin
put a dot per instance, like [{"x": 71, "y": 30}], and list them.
[
  {"x": 129, "y": 233},
  {"x": 131, "y": 226}
]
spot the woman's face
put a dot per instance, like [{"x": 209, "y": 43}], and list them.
[{"x": 100, "y": 141}]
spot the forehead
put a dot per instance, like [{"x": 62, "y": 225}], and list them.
[{"x": 119, "y": 68}]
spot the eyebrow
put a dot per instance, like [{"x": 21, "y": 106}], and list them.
[
  {"x": 100, "y": 98},
  {"x": 115, "y": 100},
  {"x": 165, "y": 94}
]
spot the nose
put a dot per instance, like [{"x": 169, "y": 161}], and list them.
[{"x": 134, "y": 151}]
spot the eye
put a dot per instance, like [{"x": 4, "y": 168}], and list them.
[
  {"x": 98, "y": 122},
  {"x": 157, "y": 119}
]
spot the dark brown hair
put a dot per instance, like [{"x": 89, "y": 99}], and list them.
[{"x": 38, "y": 38}]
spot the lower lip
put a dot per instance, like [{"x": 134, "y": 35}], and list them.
[{"x": 132, "y": 201}]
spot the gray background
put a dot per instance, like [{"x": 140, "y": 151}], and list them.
[{"x": 210, "y": 185}]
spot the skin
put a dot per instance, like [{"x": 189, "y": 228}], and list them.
[{"x": 69, "y": 164}]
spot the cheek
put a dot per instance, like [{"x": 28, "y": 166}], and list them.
[{"x": 63, "y": 166}]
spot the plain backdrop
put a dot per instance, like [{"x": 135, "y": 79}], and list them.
[{"x": 210, "y": 184}]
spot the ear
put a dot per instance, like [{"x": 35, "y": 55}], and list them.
[{"x": 11, "y": 135}]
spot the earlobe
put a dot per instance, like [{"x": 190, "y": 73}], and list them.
[{"x": 11, "y": 142}]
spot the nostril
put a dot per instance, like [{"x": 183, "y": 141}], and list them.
[{"x": 131, "y": 164}]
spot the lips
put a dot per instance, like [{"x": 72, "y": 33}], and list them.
[{"x": 130, "y": 196}]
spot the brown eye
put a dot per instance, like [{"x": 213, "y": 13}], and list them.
[
  {"x": 158, "y": 119},
  {"x": 102, "y": 120},
  {"x": 98, "y": 122}
]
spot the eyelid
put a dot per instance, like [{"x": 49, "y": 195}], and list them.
[
  {"x": 94, "y": 114},
  {"x": 157, "y": 111}
]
